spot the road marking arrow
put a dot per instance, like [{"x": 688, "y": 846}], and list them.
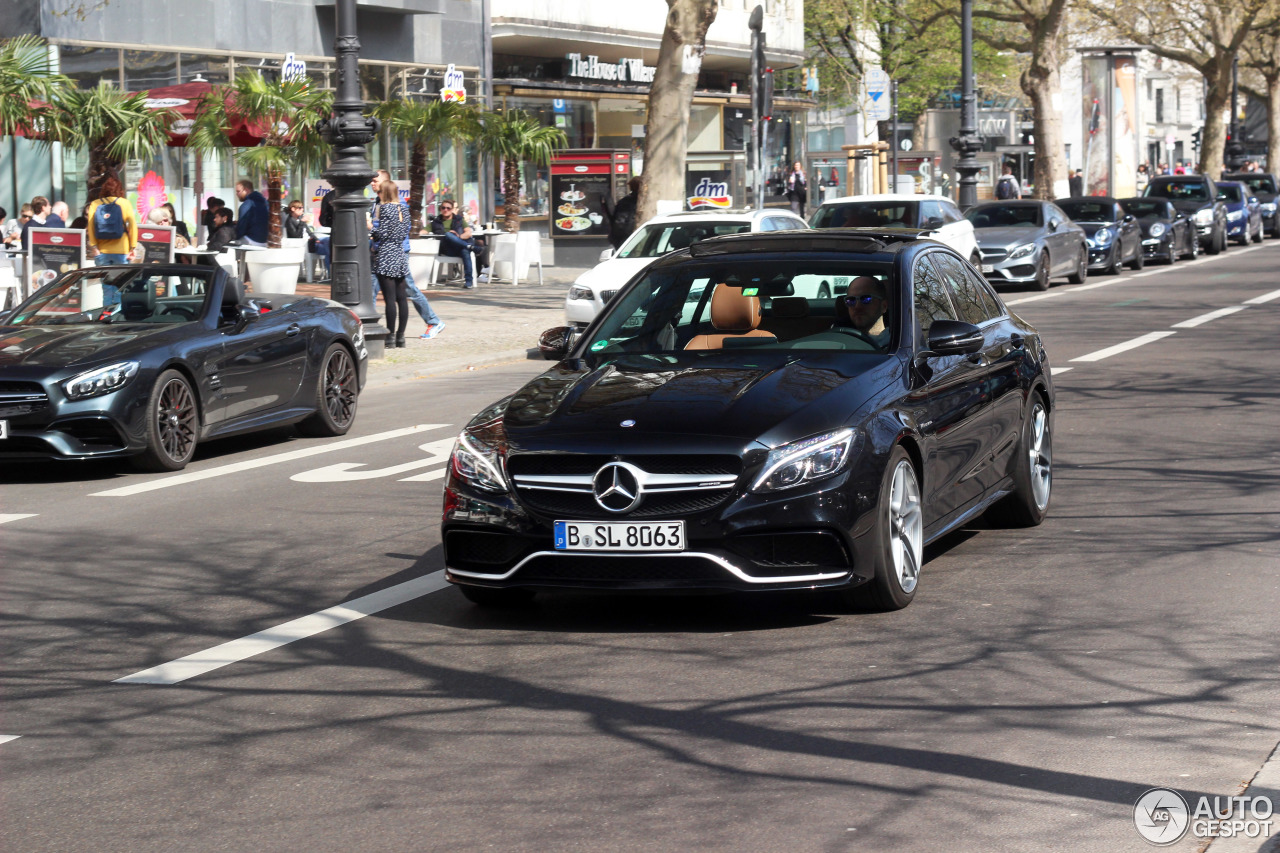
[{"x": 345, "y": 472}]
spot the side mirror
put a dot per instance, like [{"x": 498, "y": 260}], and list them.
[
  {"x": 554, "y": 344},
  {"x": 606, "y": 255},
  {"x": 933, "y": 222},
  {"x": 1053, "y": 224},
  {"x": 1253, "y": 199},
  {"x": 1128, "y": 217},
  {"x": 245, "y": 314},
  {"x": 953, "y": 337}
]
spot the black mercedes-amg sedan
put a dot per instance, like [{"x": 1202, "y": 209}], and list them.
[
  {"x": 721, "y": 426},
  {"x": 147, "y": 361}
]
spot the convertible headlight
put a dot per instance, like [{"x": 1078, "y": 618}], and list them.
[
  {"x": 478, "y": 455},
  {"x": 102, "y": 380},
  {"x": 1102, "y": 236},
  {"x": 1022, "y": 251},
  {"x": 1268, "y": 207},
  {"x": 1157, "y": 229},
  {"x": 805, "y": 461},
  {"x": 1203, "y": 216},
  {"x": 1235, "y": 215},
  {"x": 580, "y": 292}
]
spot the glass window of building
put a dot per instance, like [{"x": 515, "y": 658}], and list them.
[
  {"x": 149, "y": 69},
  {"x": 704, "y": 128},
  {"x": 214, "y": 69},
  {"x": 617, "y": 117},
  {"x": 88, "y": 66},
  {"x": 577, "y": 118}
]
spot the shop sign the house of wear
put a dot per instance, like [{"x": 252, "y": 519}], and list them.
[{"x": 622, "y": 71}]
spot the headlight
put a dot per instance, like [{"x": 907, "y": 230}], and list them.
[
  {"x": 1103, "y": 236},
  {"x": 1235, "y": 215},
  {"x": 102, "y": 380},
  {"x": 1157, "y": 229},
  {"x": 1022, "y": 251},
  {"x": 1204, "y": 216},
  {"x": 478, "y": 455},
  {"x": 580, "y": 292},
  {"x": 1268, "y": 207},
  {"x": 805, "y": 461}
]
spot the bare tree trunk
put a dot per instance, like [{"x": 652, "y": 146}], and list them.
[
  {"x": 1042, "y": 83},
  {"x": 1273, "y": 122},
  {"x": 919, "y": 126},
  {"x": 275, "y": 192},
  {"x": 1216, "y": 99},
  {"x": 510, "y": 195},
  {"x": 670, "y": 96},
  {"x": 417, "y": 183},
  {"x": 101, "y": 166}
]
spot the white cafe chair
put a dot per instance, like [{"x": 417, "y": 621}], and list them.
[{"x": 520, "y": 251}]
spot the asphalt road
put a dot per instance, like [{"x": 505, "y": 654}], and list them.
[{"x": 1042, "y": 680}]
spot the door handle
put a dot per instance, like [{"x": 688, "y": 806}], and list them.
[{"x": 293, "y": 330}]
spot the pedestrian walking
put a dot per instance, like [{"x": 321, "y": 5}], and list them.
[
  {"x": 622, "y": 216},
  {"x": 1007, "y": 185},
  {"x": 1143, "y": 178},
  {"x": 797, "y": 189},
  {"x": 419, "y": 299},
  {"x": 253, "y": 222},
  {"x": 391, "y": 264},
  {"x": 113, "y": 229},
  {"x": 1076, "y": 183}
]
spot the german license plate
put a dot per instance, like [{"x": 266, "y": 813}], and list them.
[
  {"x": 4, "y": 429},
  {"x": 986, "y": 268},
  {"x": 619, "y": 536}
]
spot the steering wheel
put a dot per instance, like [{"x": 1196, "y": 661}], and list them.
[
  {"x": 859, "y": 334},
  {"x": 184, "y": 311}
]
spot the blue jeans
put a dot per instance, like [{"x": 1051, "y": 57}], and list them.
[
  {"x": 455, "y": 247},
  {"x": 104, "y": 259},
  {"x": 419, "y": 300}
]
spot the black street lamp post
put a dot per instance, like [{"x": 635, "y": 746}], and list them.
[
  {"x": 968, "y": 142},
  {"x": 1235, "y": 154},
  {"x": 349, "y": 130}
]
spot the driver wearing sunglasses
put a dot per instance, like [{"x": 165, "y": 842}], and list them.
[{"x": 865, "y": 306}]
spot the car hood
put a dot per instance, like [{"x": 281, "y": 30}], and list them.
[
  {"x": 1007, "y": 237},
  {"x": 58, "y": 346},
  {"x": 772, "y": 397},
  {"x": 1190, "y": 206},
  {"x": 613, "y": 273},
  {"x": 1091, "y": 228}
]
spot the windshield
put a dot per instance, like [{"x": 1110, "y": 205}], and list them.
[
  {"x": 867, "y": 214},
  {"x": 1083, "y": 210},
  {"x": 826, "y": 304},
  {"x": 1258, "y": 183},
  {"x": 118, "y": 295},
  {"x": 1001, "y": 216},
  {"x": 1180, "y": 190},
  {"x": 1143, "y": 209},
  {"x": 657, "y": 239},
  {"x": 1226, "y": 192}
]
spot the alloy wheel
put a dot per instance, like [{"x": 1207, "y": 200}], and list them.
[
  {"x": 340, "y": 388},
  {"x": 176, "y": 419},
  {"x": 906, "y": 527},
  {"x": 1040, "y": 450}
]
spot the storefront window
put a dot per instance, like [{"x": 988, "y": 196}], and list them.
[
  {"x": 704, "y": 128},
  {"x": 617, "y": 119},
  {"x": 88, "y": 66},
  {"x": 149, "y": 69},
  {"x": 321, "y": 75},
  {"x": 214, "y": 69},
  {"x": 577, "y": 118}
]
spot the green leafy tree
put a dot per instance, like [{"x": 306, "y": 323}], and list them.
[
  {"x": 425, "y": 125},
  {"x": 28, "y": 84},
  {"x": 284, "y": 114},
  {"x": 515, "y": 137},
  {"x": 113, "y": 126}
]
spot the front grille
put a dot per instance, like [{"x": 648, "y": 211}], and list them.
[
  {"x": 21, "y": 398},
  {"x": 993, "y": 254},
  {"x": 576, "y": 464},
  {"x": 791, "y": 550},
  {"x": 483, "y": 551},
  {"x": 94, "y": 433},
  {"x": 604, "y": 569},
  {"x": 606, "y": 295},
  {"x": 582, "y": 505}
]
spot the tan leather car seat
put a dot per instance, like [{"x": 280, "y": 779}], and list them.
[{"x": 733, "y": 313}]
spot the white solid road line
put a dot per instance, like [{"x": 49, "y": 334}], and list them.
[
  {"x": 1054, "y": 371},
  {"x": 281, "y": 635},
  {"x": 1266, "y": 297},
  {"x": 7, "y": 738},
  {"x": 1124, "y": 347},
  {"x": 1205, "y": 318},
  {"x": 6, "y": 517},
  {"x": 236, "y": 467}
]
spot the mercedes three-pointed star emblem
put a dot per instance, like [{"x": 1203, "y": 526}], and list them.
[{"x": 617, "y": 487}]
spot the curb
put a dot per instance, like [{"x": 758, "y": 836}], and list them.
[
  {"x": 428, "y": 369},
  {"x": 1266, "y": 782}
]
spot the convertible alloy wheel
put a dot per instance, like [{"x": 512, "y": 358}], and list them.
[
  {"x": 172, "y": 425},
  {"x": 899, "y": 540},
  {"x": 338, "y": 395}
]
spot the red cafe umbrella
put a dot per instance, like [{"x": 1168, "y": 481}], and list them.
[{"x": 184, "y": 99}]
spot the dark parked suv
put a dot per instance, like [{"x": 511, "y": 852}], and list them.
[
  {"x": 1264, "y": 187},
  {"x": 721, "y": 426},
  {"x": 1196, "y": 197}
]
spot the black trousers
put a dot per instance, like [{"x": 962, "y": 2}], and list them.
[{"x": 396, "y": 293}]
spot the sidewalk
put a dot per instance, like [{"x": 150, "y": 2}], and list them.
[{"x": 491, "y": 324}]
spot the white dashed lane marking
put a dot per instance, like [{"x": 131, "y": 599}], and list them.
[
  {"x": 6, "y": 517},
  {"x": 7, "y": 738},
  {"x": 281, "y": 635},
  {"x": 1099, "y": 355},
  {"x": 1205, "y": 318},
  {"x": 249, "y": 465},
  {"x": 1056, "y": 370},
  {"x": 1264, "y": 298}
]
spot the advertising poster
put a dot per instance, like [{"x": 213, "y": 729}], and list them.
[
  {"x": 1124, "y": 128},
  {"x": 155, "y": 244},
  {"x": 316, "y": 191},
  {"x": 577, "y": 200},
  {"x": 708, "y": 189},
  {"x": 53, "y": 252},
  {"x": 1097, "y": 125}
]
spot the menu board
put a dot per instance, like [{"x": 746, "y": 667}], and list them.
[
  {"x": 577, "y": 204},
  {"x": 53, "y": 252},
  {"x": 155, "y": 244}
]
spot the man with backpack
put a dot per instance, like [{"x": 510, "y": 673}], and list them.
[
  {"x": 1007, "y": 185},
  {"x": 113, "y": 229}
]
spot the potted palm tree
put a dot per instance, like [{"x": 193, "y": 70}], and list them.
[
  {"x": 425, "y": 124},
  {"x": 285, "y": 115},
  {"x": 513, "y": 137}
]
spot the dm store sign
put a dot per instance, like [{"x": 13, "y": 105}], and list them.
[{"x": 705, "y": 190}]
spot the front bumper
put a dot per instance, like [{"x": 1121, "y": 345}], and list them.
[
  {"x": 97, "y": 428},
  {"x": 1239, "y": 228},
  {"x": 580, "y": 312},
  {"x": 1158, "y": 247},
  {"x": 1102, "y": 258},
  {"x": 1011, "y": 270}
]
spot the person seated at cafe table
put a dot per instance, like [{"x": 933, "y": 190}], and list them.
[
  {"x": 223, "y": 233},
  {"x": 458, "y": 240}
]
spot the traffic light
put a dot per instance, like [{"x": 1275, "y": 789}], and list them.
[
  {"x": 1195, "y": 139},
  {"x": 766, "y": 95}
]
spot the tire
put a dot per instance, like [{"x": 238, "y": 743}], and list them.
[
  {"x": 1032, "y": 475},
  {"x": 1257, "y": 235},
  {"x": 337, "y": 395},
  {"x": 1217, "y": 245},
  {"x": 1042, "y": 272},
  {"x": 173, "y": 425},
  {"x": 1139, "y": 258},
  {"x": 488, "y": 596},
  {"x": 899, "y": 539},
  {"x": 1082, "y": 267},
  {"x": 1113, "y": 268},
  {"x": 1194, "y": 251},
  {"x": 1243, "y": 239}
]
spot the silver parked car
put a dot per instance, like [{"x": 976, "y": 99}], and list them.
[{"x": 1028, "y": 242}]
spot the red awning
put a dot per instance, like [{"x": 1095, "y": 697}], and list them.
[{"x": 184, "y": 99}]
